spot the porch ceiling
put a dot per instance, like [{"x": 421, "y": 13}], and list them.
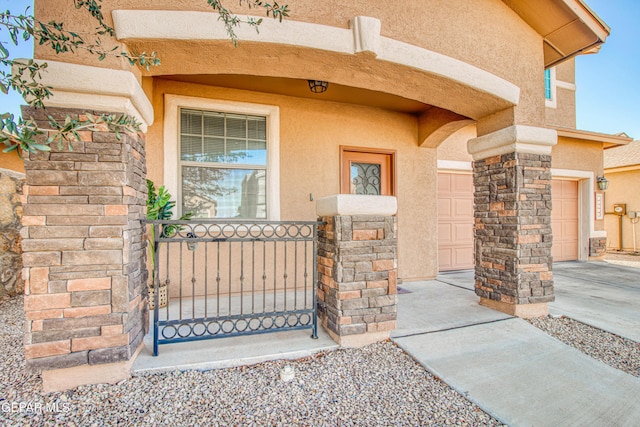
[
  {"x": 300, "y": 88},
  {"x": 568, "y": 27}
]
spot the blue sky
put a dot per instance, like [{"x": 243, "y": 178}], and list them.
[{"x": 608, "y": 86}]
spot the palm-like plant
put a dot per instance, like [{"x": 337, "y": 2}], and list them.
[{"x": 159, "y": 207}]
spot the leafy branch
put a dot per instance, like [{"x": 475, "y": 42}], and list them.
[
  {"x": 231, "y": 21},
  {"x": 24, "y": 76}
]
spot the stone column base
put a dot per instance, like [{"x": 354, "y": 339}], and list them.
[
  {"x": 68, "y": 378},
  {"x": 525, "y": 311},
  {"x": 360, "y": 340}
]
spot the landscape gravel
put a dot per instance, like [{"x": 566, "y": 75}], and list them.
[
  {"x": 378, "y": 385},
  {"x": 615, "y": 351}
]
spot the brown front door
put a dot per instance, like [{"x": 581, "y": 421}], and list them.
[{"x": 367, "y": 172}]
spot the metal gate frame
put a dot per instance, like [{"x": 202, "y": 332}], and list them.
[{"x": 191, "y": 233}]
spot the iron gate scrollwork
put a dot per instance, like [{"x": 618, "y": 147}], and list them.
[{"x": 233, "y": 278}]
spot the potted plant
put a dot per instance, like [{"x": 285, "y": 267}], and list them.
[{"x": 159, "y": 207}]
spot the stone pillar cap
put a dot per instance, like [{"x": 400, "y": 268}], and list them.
[{"x": 356, "y": 204}]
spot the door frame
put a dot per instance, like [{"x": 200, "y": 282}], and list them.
[{"x": 345, "y": 177}]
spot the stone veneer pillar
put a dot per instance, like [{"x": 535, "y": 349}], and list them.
[
  {"x": 11, "y": 282},
  {"x": 513, "y": 237},
  {"x": 357, "y": 268},
  {"x": 84, "y": 256}
]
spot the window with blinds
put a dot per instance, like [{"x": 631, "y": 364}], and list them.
[{"x": 223, "y": 164}]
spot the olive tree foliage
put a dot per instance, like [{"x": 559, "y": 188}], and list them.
[{"x": 24, "y": 76}]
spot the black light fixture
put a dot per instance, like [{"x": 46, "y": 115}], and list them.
[
  {"x": 603, "y": 183},
  {"x": 318, "y": 86}
]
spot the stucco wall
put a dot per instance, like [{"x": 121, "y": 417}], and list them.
[
  {"x": 455, "y": 147},
  {"x": 12, "y": 162},
  {"x": 563, "y": 113},
  {"x": 486, "y": 34},
  {"x": 577, "y": 154},
  {"x": 311, "y": 132},
  {"x": 624, "y": 187}
]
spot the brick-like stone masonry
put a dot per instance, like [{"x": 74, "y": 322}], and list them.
[
  {"x": 357, "y": 274},
  {"x": 83, "y": 249},
  {"x": 597, "y": 246},
  {"x": 11, "y": 282},
  {"x": 513, "y": 228}
]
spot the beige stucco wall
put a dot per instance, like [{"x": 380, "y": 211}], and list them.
[
  {"x": 563, "y": 113},
  {"x": 311, "y": 132},
  {"x": 455, "y": 147},
  {"x": 11, "y": 161},
  {"x": 486, "y": 34},
  {"x": 579, "y": 155},
  {"x": 624, "y": 187}
]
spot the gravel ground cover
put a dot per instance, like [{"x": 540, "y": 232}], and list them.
[
  {"x": 615, "y": 351},
  {"x": 378, "y": 385}
]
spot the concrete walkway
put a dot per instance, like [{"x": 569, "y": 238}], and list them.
[
  {"x": 514, "y": 371},
  {"x": 599, "y": 294}
]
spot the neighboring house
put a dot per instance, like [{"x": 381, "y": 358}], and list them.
[
  {"x": 622, "y": 169},
  {"x": 415, "y": 93}
]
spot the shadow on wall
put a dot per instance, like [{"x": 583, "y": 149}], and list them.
[{"x": 11, "y": 282}]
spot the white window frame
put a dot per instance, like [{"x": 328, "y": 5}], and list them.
[
  {"x": 552, "y": 103},
  {"x": 172, "y": 106}
]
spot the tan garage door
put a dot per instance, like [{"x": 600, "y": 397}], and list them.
[
  {"x": 564, "y": 220},
  {"x": 455, "y": 221}
]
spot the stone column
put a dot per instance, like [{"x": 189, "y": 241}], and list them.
[
  {"x": 513, "y": 238},
  {"x": 10, "y": 248},
  {"x": 84, "y": 256},
  {"x": 357, "y": 268}
]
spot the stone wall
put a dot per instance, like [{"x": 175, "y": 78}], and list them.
[
  {"x": 11, "y": 282},
  {"x": 357, "y": 277},
  {"x": 513, "y": 234},
  {"x": 84, "y": 251},
  {"x": 597, "y": 246}
]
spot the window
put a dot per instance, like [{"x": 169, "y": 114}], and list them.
[
  {"x": 547, "y": 83},
  {"x": 550, "y": 87},
  {"x": 221, "y": 158},
  {"x": 367, "y": 171}
]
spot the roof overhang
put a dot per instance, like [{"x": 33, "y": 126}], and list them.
[
  {"x": 568, "y": 27},
  {"x": 607, "y": 139}
]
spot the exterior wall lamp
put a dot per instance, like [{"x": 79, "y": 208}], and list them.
[
  {"x": 603, "y": 183},
  {"x": 318, "y": 86}
]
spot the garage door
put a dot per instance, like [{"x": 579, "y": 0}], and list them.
[
  {"x": 564, "y": 220},
  {"x": 455, "y": 221}
]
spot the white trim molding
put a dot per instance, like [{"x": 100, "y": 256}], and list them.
[
  {"x": 454, "y": 165},
  {"x": 356, "y": 204},
  {"x": 517, "y": 138},
  {"x": 363, "y": 36},
  {"x": 95, "y": 88},
  {"x": 172, "y": 105}
]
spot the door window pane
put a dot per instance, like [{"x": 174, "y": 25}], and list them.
[{"x": 365, "y": 178}]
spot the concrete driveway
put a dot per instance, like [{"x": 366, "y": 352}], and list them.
[
  {"x": 514, "y": 371},
  {"x": 599, "y": 294}
]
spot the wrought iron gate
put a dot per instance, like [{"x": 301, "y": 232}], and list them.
[{"x": 232, "y": 278}]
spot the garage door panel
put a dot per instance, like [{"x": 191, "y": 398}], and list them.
[
  {"x": 564, "y": 220},
  {"x": 462, "y": 184},
  {"x": 445, "y": 233},
  {"x": 463, "y": 233},
  {"x": 444, "y": 258},
  {"x": 444, "y": 208},
  {"x": 455, "y": 221},
  {"x": 463, "y": 209}
]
